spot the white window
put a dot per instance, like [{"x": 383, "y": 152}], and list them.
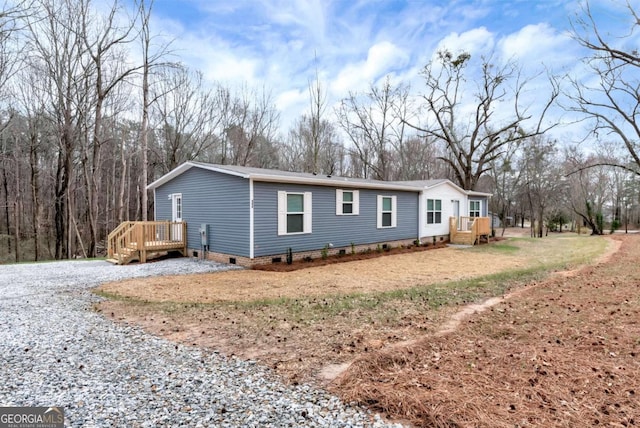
[
  {"x": 387, "y": 209},
  {"x": 347, "y": 202},
  {"x": 294, "y": 213},
  {"x": 434, "y": 211},
  {"x": 474, "y": 208}
]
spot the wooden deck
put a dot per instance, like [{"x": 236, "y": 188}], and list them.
[
  {"x": 469, "y": 230},
  {"x": 139, "y": 240}
]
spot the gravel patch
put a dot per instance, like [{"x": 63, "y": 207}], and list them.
[{"x": 56, "y": 351}]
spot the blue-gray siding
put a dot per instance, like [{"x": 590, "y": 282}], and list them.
[
  {"x": 219, "y": 200},
  {"x": 327, "y": 227}
]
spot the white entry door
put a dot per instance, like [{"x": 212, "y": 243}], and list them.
[{"x": 176, "y": 216}]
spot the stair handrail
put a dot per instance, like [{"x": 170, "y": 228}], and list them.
[{"x": 117, "y": 239}]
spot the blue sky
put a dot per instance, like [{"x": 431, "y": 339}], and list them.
[{"x": 279, "y": 44}]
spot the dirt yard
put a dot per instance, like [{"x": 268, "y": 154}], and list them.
[
  {"x": 362, "y": 276},
  {"x": 558, "y": 351}
]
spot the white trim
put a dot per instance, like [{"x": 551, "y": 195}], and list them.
[
  {"x": 155, "y": 206},
  {"x": 187, "y": 166},
  {"x": 251, "y": 219},
  {"x": 307, "y": 221},
  {"x": 174, "y": 207},
  {"x": 434, "y": 211},
  {"x": 274, "y": 178},
  {"x": 282, "y": 212},
  {"x": 394, "y": 211},
  {"x": 307, "y": 213},
  {"x": 422, "y": 220},
  {"x": 355, "y": 202},
  {"x": 342, "y": 182},
  {"x": 479, "y": 201}
]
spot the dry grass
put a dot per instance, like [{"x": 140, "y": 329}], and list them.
[{"x": 382, "y": 274}]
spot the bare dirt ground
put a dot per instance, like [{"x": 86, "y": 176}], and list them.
[
  {"x": 361, "y": 276},
  {"x": 556, "y": 351}
]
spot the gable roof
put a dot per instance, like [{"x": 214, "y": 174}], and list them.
[
  {"x": 429, "y": 184},
  {"x": 277, "y": 176}
]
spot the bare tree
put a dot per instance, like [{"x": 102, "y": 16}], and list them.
[
  {"x": 542, "y": 180},
  {"x": 104, "y": 38},
  {"x": 506, "y": 175},
  {"x": 476, "y": 138},
  {"x": 376, "y": 125},
  {"x": 153, "y": 56},
  {"x": 186, "y": 116},
  {"x": 591, "y": 188},
  {"x": 56, "y": 46},
  {"x": 249, "y": 120},
  {"x": 613, "y": 102}
]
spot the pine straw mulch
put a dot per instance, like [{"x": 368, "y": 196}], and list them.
[
  {"x": 343, "y": 258},
  {"x": 563, "y": 353}
]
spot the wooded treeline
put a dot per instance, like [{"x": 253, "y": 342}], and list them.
[{"x": 94, "y": 106}]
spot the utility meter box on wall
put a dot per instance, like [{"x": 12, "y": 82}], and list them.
[{"x": 204, "y": 234}]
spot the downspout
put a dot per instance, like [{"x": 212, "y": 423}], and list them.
[{"x": 251, "y": 231}]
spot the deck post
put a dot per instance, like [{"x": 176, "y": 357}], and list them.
[
  {"x": 184, "y": 238},
  {"x": 140, "y": 241}
]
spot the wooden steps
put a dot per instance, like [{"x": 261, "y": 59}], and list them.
[{"x": 142, "y": 240}]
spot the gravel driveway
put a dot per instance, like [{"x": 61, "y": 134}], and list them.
[{"x": 56, "y": 351}]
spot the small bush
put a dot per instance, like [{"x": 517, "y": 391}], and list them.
[{"x": 325, "y": 252}]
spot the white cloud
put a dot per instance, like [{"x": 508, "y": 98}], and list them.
[
  {"x": 382, "y": 58},
  {"x": 539, "y": 43},
  {"x": 477, "y": 41}
]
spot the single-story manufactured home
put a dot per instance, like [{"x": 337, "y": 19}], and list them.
[{"x": 247, "y": 216}]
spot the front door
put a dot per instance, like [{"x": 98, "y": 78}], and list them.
[
  {"x": 176, "y": 216},
  {"x": 456, "y": 212}
]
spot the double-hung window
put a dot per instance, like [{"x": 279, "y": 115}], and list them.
[
  {"x": 294, "y": 212},
  {"x": 474, "y": 208},
  {"x": 387, "y": 211},
  {"x": 434, "y": 211},
  {"x": 347, "y": 202}
]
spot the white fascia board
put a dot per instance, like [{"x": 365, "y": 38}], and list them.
[
  {"x": 170, "y": 175},
  {"x": 187, "y": 166},
  {"x": 474, "y": 193},
  {"x": 334, "y": 183}
]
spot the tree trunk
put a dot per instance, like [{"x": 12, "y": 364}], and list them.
[
  {"x": 123, "y": 179},
  {"x": 5, "y": 184},
  {"x": 35, "y": 191},
  {"x": 16, "y": 213},
  {"x": 145, "y": 144}
]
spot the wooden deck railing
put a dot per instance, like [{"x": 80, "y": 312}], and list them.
[
  {"x": 135, "y": 239},
  {"x": 467, "y": 230}
]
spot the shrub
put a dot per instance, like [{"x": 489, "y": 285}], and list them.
[{"x": 325, "y": 252}]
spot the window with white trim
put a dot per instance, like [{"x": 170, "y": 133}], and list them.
[
  {"x": 294, "y": 213},
  {"x": 474, "y": 208},
  {"x": 387, "y": 211},
  {"x": 434, "y": 211},
  {"x": 347, "y": 202}
]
